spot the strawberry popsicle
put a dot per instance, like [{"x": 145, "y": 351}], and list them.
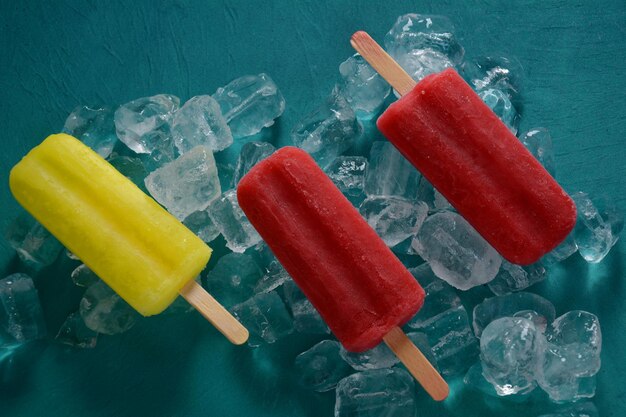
[
  {"x": 446, "y": 131},
  {"x": 356, "y": 283}
]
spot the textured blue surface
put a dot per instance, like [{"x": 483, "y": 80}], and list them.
[{"x": 56, "y": 55}]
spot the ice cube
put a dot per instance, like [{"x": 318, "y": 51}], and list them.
[
  {"x": 455, "y": 251},
  {"x": 201, "y": 224},
  {"x": 499, "y": 72},
  {"x": 35, "y": 246},
  {"x": 163, "y": 151},
  {"x": 362, "y": 86},
  {"x": 306, "y": 317},
  {"x": 394, "y": 219},
  {"x": 597, "y": 227},
  {"x": 513, "y": 278},
  {"x": 507, "y": 305},
  {"x": 74, "y": 332},
  {"x": 577, "y": 339},
  {"x": 413, "y": 32},
  {"x": 509, "y": 351},
  {"x": 187, "y": 184},
  {"x": 558, "y": 380},
  {"x": 565, "y": 249},
  {"x": 453, "y": 344},
  {"x": 389, "y": 173},
  {"x": 348, "y": 174},
  {"x": 440, "y": 297},
  {"x": 501, "y": 105},
  {"x": 233, "y": 279},
  {"x": 141, "y": 124},
  {"x": 103, "y": 311},
  {"x": 586, "y": 409},
  {"x": 83, "y": 276},
  {"x": 329, "y": 130},
  {"x": 94, "y": 127},
  {"x": 199, "y": 122},
  {"x": 376, "y": 393},
  {"x": 266, "y": 318},
  {"x": 539, "y": 143},
  {"x": 321, "y": 367},
  {"x": 251, "y": 154},
  {"x": 250, "y": 103},
  {"x": 275, "y": 276},
  {"x": 21, "y": 316},
  {"x": 233, "y": 223}
]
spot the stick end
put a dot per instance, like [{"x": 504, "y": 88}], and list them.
[
  {"x": 359, "y": 37},
  {"x": 441, "y": 394},
  {"x": 239, "y": 337}
]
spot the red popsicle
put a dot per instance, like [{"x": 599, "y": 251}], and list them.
[
  {"x": 352, "y": 278},
  {"x": 454, "y": 139},
  {"x": 360, "y": 288}
]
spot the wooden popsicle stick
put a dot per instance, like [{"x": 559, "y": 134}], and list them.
[
  {"x": 214, "y": 312},
  {"x": 417, "y": 364},
  {"x": 398, "y": 342},
  {"x": 380, "y": 60}
]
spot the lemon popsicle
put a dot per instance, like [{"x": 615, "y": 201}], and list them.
[
  {"x": 141, "y": 251},
  {"x": 359, "y": 287},
  {"x": 446, "y": 131}
]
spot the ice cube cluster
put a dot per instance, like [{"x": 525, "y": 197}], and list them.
[
  {"x": 168, "y": 149},
  {"x": 522, "y": 347},
  {"x": 190, "y": 157}
]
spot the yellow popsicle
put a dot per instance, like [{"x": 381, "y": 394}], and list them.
[{"x": 120, "y": 233}]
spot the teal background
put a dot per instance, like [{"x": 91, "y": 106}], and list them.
[{"x": 57, "y": 55}]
